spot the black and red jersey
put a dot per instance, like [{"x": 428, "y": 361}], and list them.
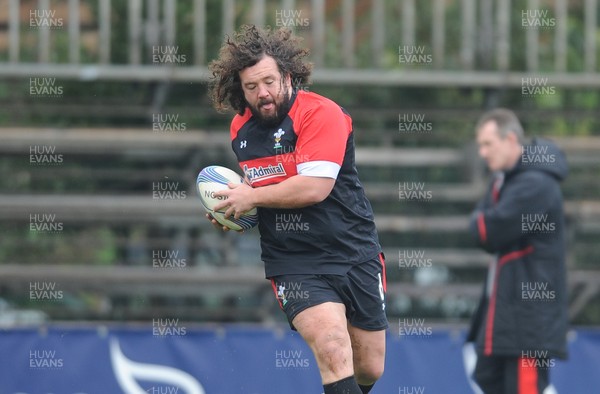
[{"x": 314, "y": 139}]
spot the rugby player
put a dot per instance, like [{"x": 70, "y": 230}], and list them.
[{"x": 318, "y": 237}]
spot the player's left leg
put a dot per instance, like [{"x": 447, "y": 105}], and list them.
[
  {"x": 364, "y": 294},
  {"x": 368, "y": 353}
]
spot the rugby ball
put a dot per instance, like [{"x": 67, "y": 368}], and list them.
[{"x": 214, "y": 178}]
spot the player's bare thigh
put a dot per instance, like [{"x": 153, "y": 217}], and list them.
[
  {"x": 324, "y": 328},
  {"x": 368, "y": 349}
]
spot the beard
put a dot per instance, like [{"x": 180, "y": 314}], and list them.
[{"x": 281, "y": 111}]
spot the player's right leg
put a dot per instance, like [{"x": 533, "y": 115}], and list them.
[
  {"x": 316, "y": 311},
  {"x": 324, "y": 328}
]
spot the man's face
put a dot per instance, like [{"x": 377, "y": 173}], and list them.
[
  {"x": 495, "y": 150},
  {"x": 266, "y": 92}
]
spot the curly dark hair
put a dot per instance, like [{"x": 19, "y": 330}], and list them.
[{"x": 245, "y": 49}]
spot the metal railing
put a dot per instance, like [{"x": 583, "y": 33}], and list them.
[{"x": 397, "y": 42}]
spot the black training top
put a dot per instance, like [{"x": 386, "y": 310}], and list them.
[{"x": 314, "y": 139}]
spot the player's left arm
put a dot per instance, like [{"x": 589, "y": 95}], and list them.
[{"x": 297, "y": 191}]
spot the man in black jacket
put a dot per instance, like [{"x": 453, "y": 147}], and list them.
[{"x": 520, "y": 325}]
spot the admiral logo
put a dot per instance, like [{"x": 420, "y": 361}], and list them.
[{"x": 255, "y": 174}]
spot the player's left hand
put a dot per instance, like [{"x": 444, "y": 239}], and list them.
[{"x": 238, "y": 200}]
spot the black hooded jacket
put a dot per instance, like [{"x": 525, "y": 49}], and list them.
[{"x": 523, "y": 310}]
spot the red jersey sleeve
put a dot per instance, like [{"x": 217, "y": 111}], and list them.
[
  {"x": 322, "y": 130},
  {"x": 237, "y": 122}
]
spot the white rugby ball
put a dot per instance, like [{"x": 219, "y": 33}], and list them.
[{"x": 214, "y": 178}]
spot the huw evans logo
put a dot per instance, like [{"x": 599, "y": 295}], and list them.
[
  {"x": 44, "y": 87},
  {"x": 44, "y": 291},
  {"x": 538, "y": 359},
  {"x": 414, "y": 123},
  {"x": 537, "y": 19},
  {"x": 44, "y": 19},
  {"x": 290, "y": 223},
  {"x": 167, "y": 54},
  {"x": 164, "y": 190},
  {"x": 536, "y": 223},
  {"x": 168, "y": 259},
  {"x": 42, "y": 155},
  {"x": 413, "y": 54},
  {"x": 163, "y": 390},
  {"x": 291, "y": 359},
  {"x": 413, "y": 259},
  {"x": 537, "y": 154},
  {"x": 411, "y": 390},
  {"x": 534, "y": 86},
  {"x": 291, "y": 18},
  {"x": 167, "y": 123},
  {"x": 45, "y": 359},
  {"x": 413, "y": 328},
  {"x": 414, "y": 191},
  {"x": 537, "y": 291},
  {"x": 44, "y": 223},
  {"x": 291, "y": 291},
  {"x": 167, "y": 328}
]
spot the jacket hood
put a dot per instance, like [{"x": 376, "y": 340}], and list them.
[{"x": 543, "y": 155}]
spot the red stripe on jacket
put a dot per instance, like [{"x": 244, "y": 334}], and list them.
[
  {"x": 481, "y": 227},
  {"x": 489, "y": 329}
]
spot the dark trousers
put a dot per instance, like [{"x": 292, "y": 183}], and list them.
[{"x": 512, "y": 375}]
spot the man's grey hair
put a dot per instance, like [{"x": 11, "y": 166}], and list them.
[{"x": 507, "y": 122}]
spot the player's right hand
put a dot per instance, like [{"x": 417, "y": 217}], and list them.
[{"x": 218, "y": 225}]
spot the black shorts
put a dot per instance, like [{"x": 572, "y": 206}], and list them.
[{"x": 361, "y": 290}]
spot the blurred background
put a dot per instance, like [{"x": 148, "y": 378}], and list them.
[{"x": 105, "y": 122}]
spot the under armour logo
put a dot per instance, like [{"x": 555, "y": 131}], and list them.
[{"x": 243, "y": 144}]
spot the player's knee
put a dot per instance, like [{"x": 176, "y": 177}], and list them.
[
  {"x": 369, "y": 374},
  {"x": 332, "y": 346}
]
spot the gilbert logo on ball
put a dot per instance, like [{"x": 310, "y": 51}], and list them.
[{"x": 214, "y": 178}]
